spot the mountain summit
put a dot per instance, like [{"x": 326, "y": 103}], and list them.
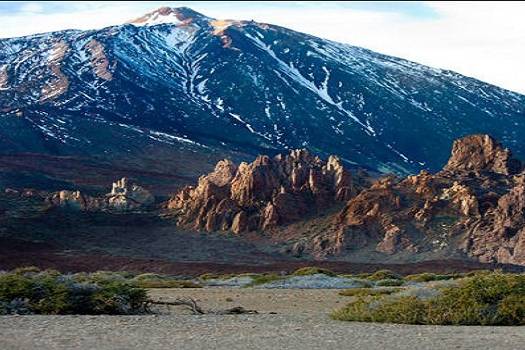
[
  {"x": 176, "y": 88},
  {"x": 168, "y": 15}
]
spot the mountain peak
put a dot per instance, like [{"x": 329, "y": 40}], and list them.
[{"x": 167, "y": 15}]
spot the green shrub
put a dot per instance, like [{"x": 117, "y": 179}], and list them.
[
  {"x": 312, "y": 270},
  {"x": 428, "y": 277},
  {"x": 364, "y": 283},
  {"x": 117, "y": 298},
  {"x": 153, "y": 280},
  {"x": 379, "y": 309},
  {"x": 213, "y": 276},
  {"x": 263, "y": 279},
  {"x": 484, "y": 299},
  {"x": 383, "y": 275},
  {"x": 511, "y": 309},
  {"x": 478, "y": 272},
  {"x": 390, "y": 283},
  {"x": 106, "y": 276},
  {"x": 47, "y": 292},
  {"x": 165, "y": 283},
  {"x": 148, "y": 276},
  {"x": 26, "y": 269},
  {"x": 363, "y": 292}
]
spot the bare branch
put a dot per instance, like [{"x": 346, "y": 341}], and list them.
[{"x": 197, "y": 310}]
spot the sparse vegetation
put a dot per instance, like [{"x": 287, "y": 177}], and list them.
[
  {"x": 312, "y": 270},
  {"x": 363, "y": 292},
  {"x": 429, "y": 277},
  {"x": 483, "y": 299},
  {"x": 478, "y": 272},
  {"x": 148, "y": 280},
  {"x": 389, "y": 282},
  {"x": 212, "y": 276},
  {"x": 264, "y": 278},
  {"x": 31, "y": 291},
  {"x": 167, "y": 283},
  {"x": 382, "y": 275}
]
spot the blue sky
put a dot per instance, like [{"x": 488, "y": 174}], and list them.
[{"x": 485, "y": 40}]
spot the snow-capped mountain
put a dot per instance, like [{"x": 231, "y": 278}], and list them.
[{"x": 177, "y": 79}]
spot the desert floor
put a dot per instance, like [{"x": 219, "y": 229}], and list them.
[{"x": 287, "y": 319}]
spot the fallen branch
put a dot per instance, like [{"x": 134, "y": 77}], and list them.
[
  {"x": 189, "y": 302},
  {"x": 197, "y": 310}
]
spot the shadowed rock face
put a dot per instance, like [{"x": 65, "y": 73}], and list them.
[{"x": 263, "y": 194}]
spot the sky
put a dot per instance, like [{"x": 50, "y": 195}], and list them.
[{"x": 484, "y": 40}]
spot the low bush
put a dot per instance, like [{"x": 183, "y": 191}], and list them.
[
  {"x": 48, "y": 292},
  {"x": 363, "y": 292},
  {"x": 479, "y": 272},
  {"x": 483, "y": 299},
  {"x": 429, "y": 277},
  {"x": 213, "y": 276},
  {"x": 263, "y": 279},
  {"x": 362, "y": 283},
  {"x": 312, "y": 270},
  {"x": 383, "y": 275},
  {"x": 26, "y": 269},
  {"x": 163, "y": 283},
  {"x": 389, "y": 283}
]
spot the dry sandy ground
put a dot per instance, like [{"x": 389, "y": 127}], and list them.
[{"x": 301, "y": 322}]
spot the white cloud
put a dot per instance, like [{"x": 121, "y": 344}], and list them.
[
  {"x": 485, "y": 40},
  {"x": 32, "y": 7}
]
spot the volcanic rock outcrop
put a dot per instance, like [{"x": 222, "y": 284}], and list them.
[
  {"x": 473, "y": 209},
  {"x": 125, "y": 195},
  {"x": 263, "y": 194},
  {"x": 475, "y": 206},
  {"x": 481, "y": 153}
]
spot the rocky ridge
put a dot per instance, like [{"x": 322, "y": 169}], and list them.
[{"x": 474, "y": 207}]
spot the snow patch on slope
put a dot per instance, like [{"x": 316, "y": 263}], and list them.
[{"x": 292, "y": 72}]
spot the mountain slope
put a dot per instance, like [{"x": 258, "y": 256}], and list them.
[{"x": 178, "y": 80}]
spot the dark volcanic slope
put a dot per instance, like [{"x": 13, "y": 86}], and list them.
[{"x": 176, "y": 83}]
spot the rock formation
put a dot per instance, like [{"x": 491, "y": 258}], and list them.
[
  {"x": 125, "y": 195},
  {"x": 474, "y": 208},
  {"x": 481, "y": 153},
  {"x": 478, "y": 200},
  {"x": 263, "y": 194}
]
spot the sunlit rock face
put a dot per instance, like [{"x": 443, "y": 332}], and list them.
[{"x": 263, "y": 194}]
